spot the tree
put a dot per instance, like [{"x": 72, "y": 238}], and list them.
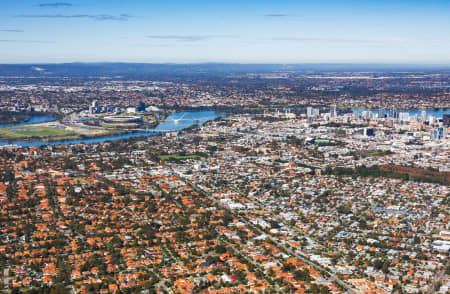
[
  {"x": 11, "y": 191},
  {"x": 318, "y": 289},
  {"x": 302, "y": 275},
  {"x": 69, "y": 164},
  {"x": 220, "y": 249}
]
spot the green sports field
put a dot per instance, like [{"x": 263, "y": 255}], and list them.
[{"x": 28, "y": 132}]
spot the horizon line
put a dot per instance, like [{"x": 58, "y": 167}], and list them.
[{"x": 418, "y": 63}]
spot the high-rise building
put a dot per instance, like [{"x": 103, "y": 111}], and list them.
[
  {"x": 309, "y": 111},
  {"x": 431, "y": 120},
  {"x": 141, "y": 106},
  {"x": 423, "y": 116},
  {"x": 333, "y": 112},
  {"x": 94, "y": 107},
  {"x": 403, "y": 116},
  {"x": 392, "y": 112},
  {"x": 442, "y": 133},
  {"x": 312, "y": 113},
  {"x": 446, "y": 119},
  {"x": 369, "y": 132},
  {"x": 438, "y": 134},
  {"x": 367, "y": 115}
]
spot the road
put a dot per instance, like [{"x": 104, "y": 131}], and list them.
[
  {"x": 277, "y": 243},
  {"x": 6, "y": 277},
  {"x": 169, "y": 251},
  {"x": 332, "y": 276},
  {"x": 162, "y": 283},
  {"x": 438, "y": 278},
  {"x": 237, "y": 251}
]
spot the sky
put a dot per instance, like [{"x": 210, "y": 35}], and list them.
[{"x": 253, "y": 31}]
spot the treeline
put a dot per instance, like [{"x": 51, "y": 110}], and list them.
[
  {"x": 54, "y": 289},
  {"x": 393, "y": 171},
  {"x": 10, "y": 118}
]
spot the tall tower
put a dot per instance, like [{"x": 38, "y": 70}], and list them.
[
  {"x": 423, "y": 116},
  {"x": 309, "y": 112},
  {"x": 333, "y": 112},
  {"x": 392, "y": 112}
]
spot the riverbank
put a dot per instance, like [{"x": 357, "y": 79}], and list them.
[
  {"x": 48, "y": 134},
  {"x": 8, "y": 118},
  {"x": 174, "y": 122}
]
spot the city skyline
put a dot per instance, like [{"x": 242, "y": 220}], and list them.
[{"x": 231, "y": 32}]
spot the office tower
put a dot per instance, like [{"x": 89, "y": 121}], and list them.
[
  {"x": 333, "y": 112},
  {"x": 423, "y": 116}
]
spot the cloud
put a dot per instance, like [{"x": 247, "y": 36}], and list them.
[
  {"x": 275, "y": 15},
  {"x": 12, "y": 31},
  {"x": 55, "y": 4},
  {"x": 187, "y": 38},
  {"x": 283, "y": 16},
  {"x": 26, "y": 41},
  {"x": 100, "y": 17},
  {"x": 121, "y": 17},
  {"x": 192, "y": 38},
  {"x": 338, "y": 40}
]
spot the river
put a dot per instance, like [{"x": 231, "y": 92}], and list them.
[
  {"x": 34, "y": 119},
  {"x": 174, "y": 122}
]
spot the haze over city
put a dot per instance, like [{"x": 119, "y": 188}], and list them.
[{"x": 225, "y": 31}]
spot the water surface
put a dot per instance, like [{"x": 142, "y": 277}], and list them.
[
  {"x": 175, "y": 122},
  {"x": 34, "y": 119}
]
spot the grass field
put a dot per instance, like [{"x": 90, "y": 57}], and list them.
[
  {"x": 80, "y": 180},
  {"x": 28, "y": 132},
  {"x": 377, "y": 153},
  {"x": 178, "y": 157}
]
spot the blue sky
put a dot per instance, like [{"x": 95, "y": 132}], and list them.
[{"x": 225, "y": 31}]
